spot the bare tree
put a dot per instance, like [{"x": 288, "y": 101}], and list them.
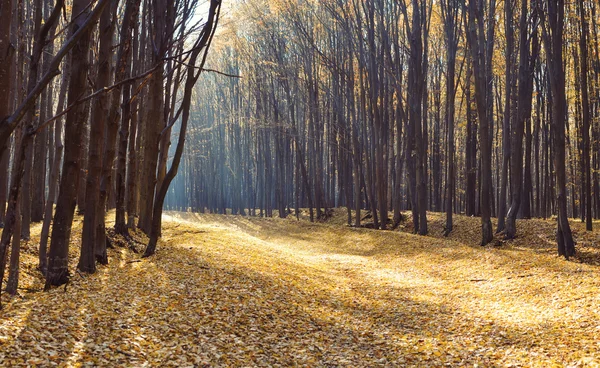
[{"x": 553, "y": 26}]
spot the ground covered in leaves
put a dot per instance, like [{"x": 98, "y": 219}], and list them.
[{"x": 235, "y": 291}]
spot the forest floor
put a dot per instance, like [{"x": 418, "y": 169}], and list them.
[{"x": 236, "y": 291}]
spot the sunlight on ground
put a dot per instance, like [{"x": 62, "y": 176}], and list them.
[{"x": 232, "y": 291}]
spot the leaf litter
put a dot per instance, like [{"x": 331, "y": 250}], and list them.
[{"x": 237, "y": 291}]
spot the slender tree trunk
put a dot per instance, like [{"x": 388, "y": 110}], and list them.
[
  {"x": 480, "y": 43},
  {"x": 450, "y": 14},
  {"x": 203, "y": 44},
  {"x": 585, "y": 105},
  {"x": 12, "y": 283},
  {"x": 471, "y": 151},
  {"x": 58, "y": 273},
  {"x": 55, "y": 171},
  {"x": 156, "y": 122},
  {"x": 506, "y": 128},
  {"x": 553, "y": 39},
  {"x": 100, "y": 108},
  {"x": 523, "y": 114},
  {"x": 7, "y": 53},
  {"x": 39, "y": 170}
]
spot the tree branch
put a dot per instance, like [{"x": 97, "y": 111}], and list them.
[{"x": 95, "y": 94}]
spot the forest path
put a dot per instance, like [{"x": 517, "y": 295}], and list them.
[{"x": 236, "y": 291}]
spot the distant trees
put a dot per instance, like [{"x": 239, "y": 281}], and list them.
[{"x": 341, "y": 104}]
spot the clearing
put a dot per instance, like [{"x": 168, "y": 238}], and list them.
[{"x": 237, "y": 291}]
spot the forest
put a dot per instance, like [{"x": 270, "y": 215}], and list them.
[
  {"x": 482, "y": 108},
  {"x": 314, "y": 183}
]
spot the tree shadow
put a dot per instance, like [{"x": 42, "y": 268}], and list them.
[{"x": 214, "y": 305}]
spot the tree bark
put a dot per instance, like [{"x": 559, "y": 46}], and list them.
[
  {"x": 526, "y": 63},
  {"x": 553, "y": 40},
  {"x": 130, "y": 16},
  {"x": 480, "y": 44},
  {"x": 202, "y": 44},
  {"x": 450, "y": 14},
  {"x": 7, "y": 53},
  {"x": 585, "y": 106},
  {"x": 58, "y": 273},
  {"x": 100, "y": 108},
  {"x": 506, "y": 128}
]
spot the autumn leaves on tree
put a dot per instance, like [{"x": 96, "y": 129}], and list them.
[{"x": 461, "y": 106}]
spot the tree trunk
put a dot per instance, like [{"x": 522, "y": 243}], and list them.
[
  {"x": 55, "y": 171},
  {"x": 7, "y": 53},
  {"x": 553, "y": 39},
  {"x": 100, "y": 108},
  {"x": 12, "y": 283},
  {"x": 526, "y": 64},
  {"x": 471, "y": 151},
  {"x": 506, "y": 128},
  {"x": 450, "y": 14},
  {"x": 155, "y": 121},
  {"x": 203, "y": 43},
  {"x": 585, "y": 106},
  {"x": 58, "y": 260},
  {"x": 480, "y": 45}
]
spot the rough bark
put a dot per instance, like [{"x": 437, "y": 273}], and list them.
[
  {"x": 553, "y": 40},
  {"x": 130, "y": 16},
  {"x": 7, "y": 53},
  {"x": 100, "y": 108},
  {"x": 480, "y": 45},
  {"x": 58, "y": 273},
  {"x": 585, "y": 106},
  {"x": 523, "y": 114}
]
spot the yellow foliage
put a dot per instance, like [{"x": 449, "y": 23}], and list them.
[{"x": 236, "y": 291}]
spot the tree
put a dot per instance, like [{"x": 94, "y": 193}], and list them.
[
  {"x": 202, "y": 45},
  {"x": 6, "y": 60},
  {"x": 585, "y": 106},
  {"x": 506, "y": 128},
  {"x": 57, "y": 273},
  {"x": 553, "y": 40},
  {"x": 417, "y": 153},
  {"x": 525, "y": 89},
  {"x": 451, "y": 15},
  {"x": 480, "y": 37},
  {"x": 100, "y": 108}
]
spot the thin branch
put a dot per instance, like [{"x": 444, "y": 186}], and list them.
[
  {"x": 221, "y": 73},
  {"x": 95, "y": 94},
  {"x": 10, "y": 123}
]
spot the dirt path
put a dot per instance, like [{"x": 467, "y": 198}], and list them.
[{"x": 234, "y": 291}]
